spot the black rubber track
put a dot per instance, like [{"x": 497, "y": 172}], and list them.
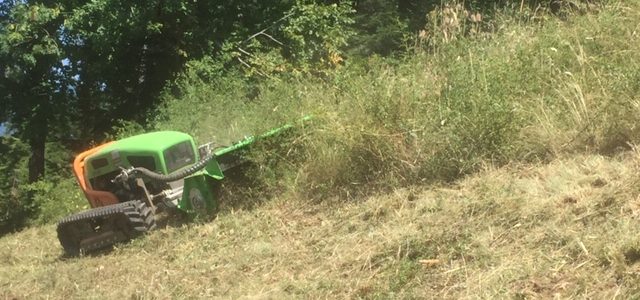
[{"x": 126, "y": 220}]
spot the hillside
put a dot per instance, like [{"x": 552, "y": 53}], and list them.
[
  {"x": 567, "y": 228},
  {"x": 495, "y": 158}
]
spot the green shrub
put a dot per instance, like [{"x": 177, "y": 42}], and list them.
[
  {"x": 55, "y": 199},
  {"x": 124, "y": 129},
  {"x": 14, "y": 207}
]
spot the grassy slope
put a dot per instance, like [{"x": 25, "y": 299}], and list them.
[{"x": 568, "y": 228}]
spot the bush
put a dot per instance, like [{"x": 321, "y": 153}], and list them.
[
  {"x": 14, "y": 207},
  {"x": 55, "y": 199}
]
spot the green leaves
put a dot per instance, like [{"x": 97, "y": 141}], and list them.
[
  {"x": 317, "y": 34},
  {"x": 308, "y": 38},
  {"x": 13, "y": 211},
  {"x": 30, "y": 35}
]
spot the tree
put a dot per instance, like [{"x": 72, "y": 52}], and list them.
[
  {"x": 13, "y": 211},
  {"x": 124, "y": 52},
  {"x": 32, "y": 75}
]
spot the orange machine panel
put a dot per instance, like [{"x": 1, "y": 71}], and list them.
[{"x": 96, "y": 198}]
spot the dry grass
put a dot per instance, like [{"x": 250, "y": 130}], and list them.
[{"x": 566, "y": 229}]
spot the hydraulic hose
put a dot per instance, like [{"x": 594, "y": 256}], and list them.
[{"x": 175, "y": 175}]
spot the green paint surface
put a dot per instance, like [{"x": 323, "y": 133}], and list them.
[
  {"x": 151, "y": 145},
  {"x": 153, "y": 141}
]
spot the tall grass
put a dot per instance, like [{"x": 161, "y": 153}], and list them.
[{"x": 526, "y": 92}]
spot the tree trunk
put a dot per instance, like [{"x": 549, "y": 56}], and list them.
[
  {"x": 37, "y": 132},
  {"x": 36, "y": 161}
]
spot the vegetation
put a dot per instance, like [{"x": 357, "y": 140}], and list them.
[
  {"x": 521, "y": 93},
  {"x": 487, "y": 150}
]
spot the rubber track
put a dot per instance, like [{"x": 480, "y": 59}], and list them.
[{"x": 139, "y": 219}]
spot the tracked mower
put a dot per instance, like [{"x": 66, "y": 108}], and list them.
[{"x": 129, "y": 181}]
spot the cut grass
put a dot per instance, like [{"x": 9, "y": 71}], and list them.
[
  {"x": 386, "y": 132},
  {"x": 566, "y": 229}
]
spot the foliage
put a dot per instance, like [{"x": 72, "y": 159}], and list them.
[
  {"x": 56, "y": 198},
  {"x": 203, "y": 106},
  {"x": 45, "y": 200},
  {"x": 27, "y": 38},
  {"x": 125, "y": 52},
  {"x": 124, "y": 129},
  {"x": 380, "y": 28},
  {"x": 310, "y": 37},
  {"x": 14, "y": 210},
  {"x": 316, "y": 34},
  {"x": 32, "y": 76}
]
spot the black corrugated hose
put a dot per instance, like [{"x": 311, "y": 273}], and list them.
[{"x": 175, "y": 175}]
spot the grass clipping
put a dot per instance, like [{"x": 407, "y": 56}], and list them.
[{"x": 568, "y": 228}]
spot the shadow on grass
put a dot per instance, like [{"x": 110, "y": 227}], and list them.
[{"x": 242, "y": 190}]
